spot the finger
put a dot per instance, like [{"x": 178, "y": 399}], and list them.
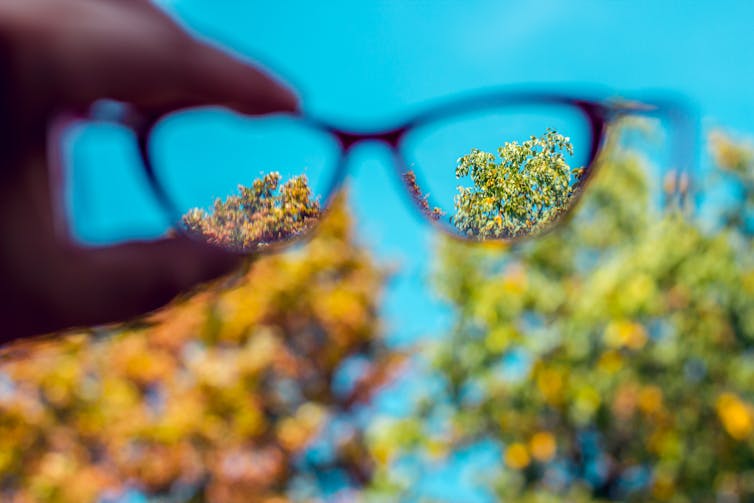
[
  {"x": 215, "y": 77},
  {"x": 94, "y": 287},
  {"x": 135, "y": 278}
]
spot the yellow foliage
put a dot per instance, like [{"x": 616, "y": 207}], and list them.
[
  {"x": 650, "y": 399},
  {"x": 729, "y": 154},
  {"x": 542, "y": 446},
  {"x": 625, "y": 334},
  {"x": 498, "y": 339},
  {"x": 437, "y": 449},
  {"x": 514, "y": 281},
  {"x": 624, "y": 402},
  {"x": 586, "y": 402},
  {"x": 747, "y": 282},
  {"x": 735, "y": 415},
  {"x": 663, "y": 487},
  {"x": 551, "y": 384},
  {"x": 610, "y": 362},
  {"x": 382, "y": 451},
  {"x": 516, "y": 456}
]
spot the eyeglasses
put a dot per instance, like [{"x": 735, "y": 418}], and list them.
[{"x": 499, "y": 166}]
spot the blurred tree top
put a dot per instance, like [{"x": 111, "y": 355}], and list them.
[
  {"x": 216, "y": 398},
  {"x": 611, "y": 360},
  {"x": 522, "y": 193},
  {"x": 264, "y": 213}
]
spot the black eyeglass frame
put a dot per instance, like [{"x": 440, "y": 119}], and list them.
[{"x": 599, "y": 113}]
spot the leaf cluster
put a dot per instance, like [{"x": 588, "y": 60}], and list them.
[
  {"x": 263, "y": 213},
  {"x": 519, "y": 192}
]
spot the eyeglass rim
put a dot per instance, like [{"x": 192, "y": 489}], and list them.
[{"x": 597, "y": 108}]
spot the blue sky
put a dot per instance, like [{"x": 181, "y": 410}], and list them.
[{"x": 365, "y": 64}]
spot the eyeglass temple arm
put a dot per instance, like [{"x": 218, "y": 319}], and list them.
[{"x": 685, "y": 136}]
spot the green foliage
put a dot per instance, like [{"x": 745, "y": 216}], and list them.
[
  {"x": 264, "y": 213},
  {"x": 522, "y": 193},
  {"x": 216, "y": 397},
  {"x": 609, "y": 360},
  {"x": 736, "y": 160}
]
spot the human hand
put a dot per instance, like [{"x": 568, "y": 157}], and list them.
[{"x": 61, "y": 55}]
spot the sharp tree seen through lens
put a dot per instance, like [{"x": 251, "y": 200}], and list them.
[
  {"x": 522, "y": 191},
  {"x": 262, "y": 214}
]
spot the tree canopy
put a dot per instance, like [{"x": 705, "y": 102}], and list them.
[
  {"x": 521, "y": 192},
  {"x": 263, "y": 213}
]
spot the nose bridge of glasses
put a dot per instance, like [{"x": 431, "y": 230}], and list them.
[{"x": 390, "y": 137}]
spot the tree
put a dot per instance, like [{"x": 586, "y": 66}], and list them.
[
  {"x": 522, "y": 193},
  {"x": 609, "y": 360},
  {"x": 221, "y": 397},
  {"x": 264, "y": 213},
  {"x": 422, "y": 199}
]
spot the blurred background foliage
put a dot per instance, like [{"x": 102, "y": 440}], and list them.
[
  {"x": 608, "y": 360},
  {"x": 611, "y": 360},
  {"x": 216, "y": 398}
]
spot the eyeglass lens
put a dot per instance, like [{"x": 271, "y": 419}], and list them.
[
  {"x": 488, "y": 174},
  {"x": 500, "y": 173},
  {"x": 244, "y": 183}
]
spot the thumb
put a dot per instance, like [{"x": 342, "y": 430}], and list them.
[
  {"x": 134, "y": 278},
  {"x": 94, "y": 287}
]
